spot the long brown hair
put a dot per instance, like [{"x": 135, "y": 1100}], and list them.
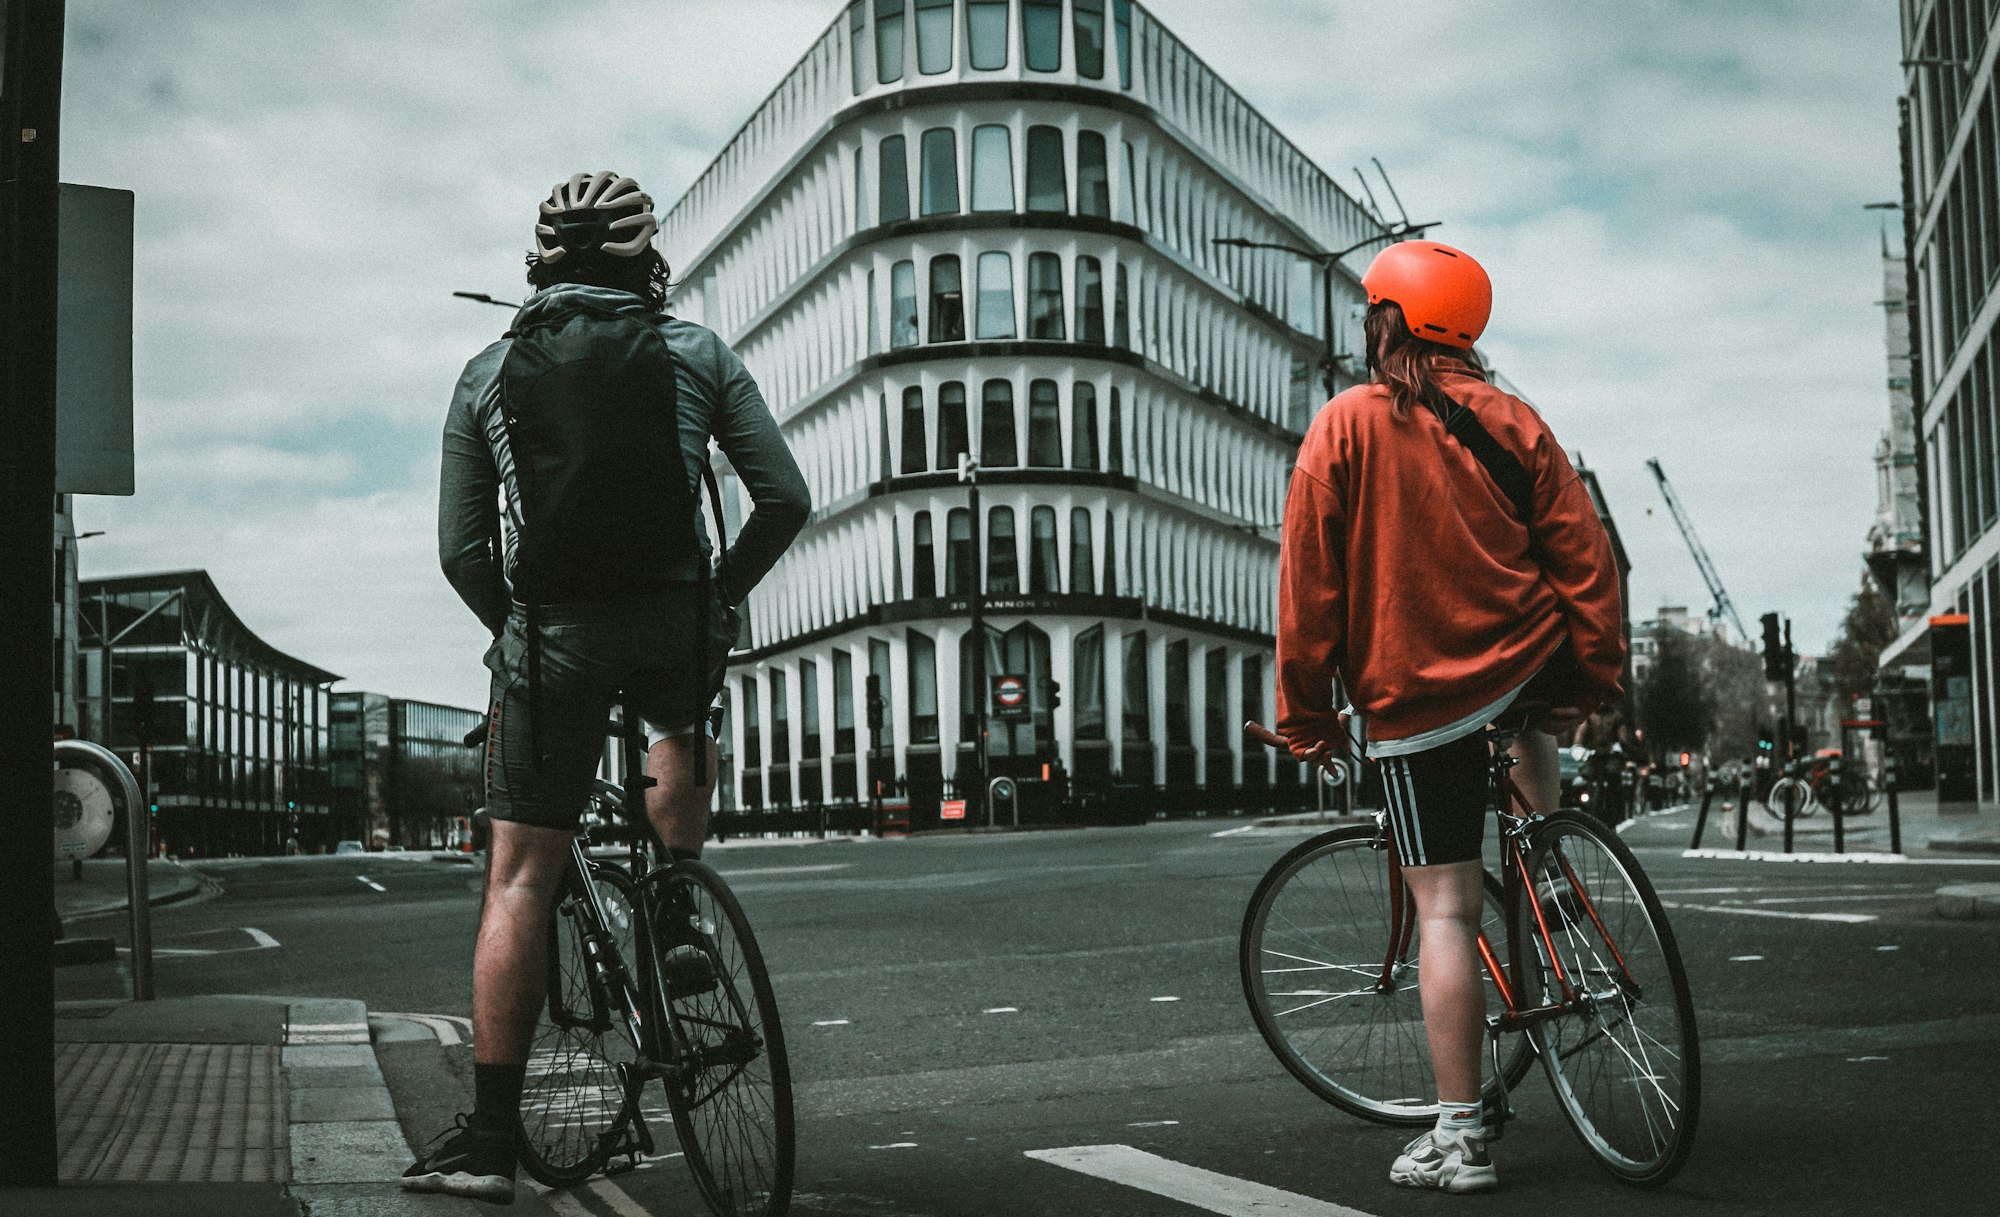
[{"x": 1406, "y": 365}]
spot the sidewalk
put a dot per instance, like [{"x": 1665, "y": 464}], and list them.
[
  {"x": 102, "y": 888},
  {"x": 1927, "y": 830},
  {"x": 226, "y": 1107}
]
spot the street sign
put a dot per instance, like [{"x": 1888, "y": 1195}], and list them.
[
  {"x": 952, "y": 809},
  {"x": 83, "y": 813},
  {"x": 1010, "y": 696}
]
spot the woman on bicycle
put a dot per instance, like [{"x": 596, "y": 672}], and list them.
[{"x": 1441, "y": 560}]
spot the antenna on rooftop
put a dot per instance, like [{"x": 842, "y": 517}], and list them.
[
  {"x": 1370, "y": 192},
  {"x": 1391, "y": 188}
]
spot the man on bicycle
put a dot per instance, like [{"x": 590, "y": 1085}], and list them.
[
  {"x": 1442, "y": 558},
  {"x": 600, "y": 586}
]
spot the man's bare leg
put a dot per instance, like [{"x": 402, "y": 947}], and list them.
[
  {"x": 1450, "y": 898},
  {"x": 1539, "y": 774},
  {"x": 683, "y": 772},
  {"x": 510, "y": 961}
]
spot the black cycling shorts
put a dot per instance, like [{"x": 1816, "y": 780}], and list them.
[
  {"x": 644, "y": 648},
  {"x": 1438, "y": 799}
]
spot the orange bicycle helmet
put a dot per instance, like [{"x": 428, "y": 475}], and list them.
[{"x": 1445, "y": 295}]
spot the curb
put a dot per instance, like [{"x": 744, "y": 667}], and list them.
[
  {"x": 1969, "y": 901},
  {"x": 198, "y": 885},
  {"x": 1956, "y": 844},
  {"x": 345, "y": 1144}
]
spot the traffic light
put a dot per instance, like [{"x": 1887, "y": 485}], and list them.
[
  {"x": 1055, "y": 694},
  {"x": 1777, "y": 659},
  {"x": 876, "y": 703}
]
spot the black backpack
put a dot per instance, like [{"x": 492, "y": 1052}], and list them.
[{"x": 592, "y": 412}]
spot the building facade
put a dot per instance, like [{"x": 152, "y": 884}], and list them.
[
  {"x": 1951, "y": 206},
  {"x": 401, "y": 772},
  {"x": 236, "y": 729},
  {"x": 979, "y": 237}
]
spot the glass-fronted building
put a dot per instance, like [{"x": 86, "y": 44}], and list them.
[
  {"x": 985, "y": 232},
  {"x": 1951, "y": 211},
  {"x": 402, "y": 774},
  {"x": 237, "y": 728}
]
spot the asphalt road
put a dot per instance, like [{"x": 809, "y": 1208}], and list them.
[{"x": 956, "y": 1004}]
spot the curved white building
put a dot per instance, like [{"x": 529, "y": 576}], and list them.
[{"x": 986, "y": 229}]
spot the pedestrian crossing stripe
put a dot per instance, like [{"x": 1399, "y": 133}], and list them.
[{"x": 1191, "y": 1185}]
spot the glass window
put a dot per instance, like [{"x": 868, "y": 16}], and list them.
[
  {"x": 882, "y": 414},
  {"x": 992, "y": 169},
  {"x": 958, "y": 555},
  {"x": 1138, "y": 690},
  {"x": 888, "y": 40},
  {"x": 996, "y": 426},
  {"x": 1083, "y": 426},
  {"x": 1121, "y": 323},
  {"x": 1044, "y": 425},
  {"x": 878, "y": 667},
  {"x": 1093, "y": 179},
  {"x": 1041, "y": 34},
  {"x": 933, "y": 36},
  {"x": 1180, "y": 730},
  {"x": 947, "y": 300},
  {"x": 808, "y": 708},
  {"x": 972, "y": 675},
  {"x": 913, "y": 431},
  {"x": 861, "y": 208},
  {"x": 857, "y": 45},
  {"x": 986, "y": 33},
  {"x": 923, "y": 689},
  {"x": 1128, "y": 203},
  {"x": 893, "y": 174},
  {"x": 1121, "y": 19},
  {"x": 940, "y": 180},
  {"x": 923, "y": 556},
  {"x": 1048, "y": 189},
  {"x": 1215, "y": 712},
  {"x": 1082, "y": 571},
  {"x": 1110, "y": 553},
  {"x": 1115, "y": 448},
  {"x": 1087, "y": 683},
  {"x": 952, "y": 435},
  {"x": 1044, "y": 569},
  {"x": 874, "y": 317},
  {"x": 1003, "y": 562},
  {"x": 843, "y": 700},
  {"x": 996, "y": 295},
  {"x": 1045, "y": 296},
  {"x": 1253, "y": 688},
  {"x": 1089, "y": 300},
  {"x": 781, "y": 719},
  {"x": 1089, "y": 22},
  {"x": 902, "y": 305}
]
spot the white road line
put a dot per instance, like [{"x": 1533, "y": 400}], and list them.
[
  {"x": 1744, "y": 910},
  {"x": 371, "y": 883},
  {"x": 1743, "y": 958},
  {"x": 1759, "y": 855},
  {"x": 830, "y": 1022},
  {"x": 1151, "y": 1123},
  {"x": 613, "y": 1195},
  {"x": 264, "y": 941},
  {"x": 1188, "y": 1184},
  {"x": 1002, "y": 1010},
  {"x": 896, "y": 1145},
  {"x": 1891, "y": 947},
  {"x": 1166, "y": 999},
  {"x": 439, "y": 1025},
  {"x": 562, "y": 1202},
  {"x": 1230, "y": 832},
  {"x": 783, "y": 870}
]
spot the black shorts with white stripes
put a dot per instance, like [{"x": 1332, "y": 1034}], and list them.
[{"x": 1438, "y": 801}]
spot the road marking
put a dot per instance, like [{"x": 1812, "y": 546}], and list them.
[
  {"x": 1869, "y": 896},
  {"x": 1188, "y": 1184},
  {"x": 613, "y": 1195},
  {"x": 1744, "y": 958},
  {"x": 784, "y": 870},
  {"x": 830, "y": 1022},
  {"x": 326, "y": 1033},
  {"x": 264, "y": 941},
  {"x": 371, "y": 883},
  {"x": 1002, "y": 1010},
  {"x": 259, "y": 941},
  {"x": 1744, "y": 910},
  {"x": 1758, "y": 855},
  {"x": 1166, "y": 999},
  {"x": 441, "y": 1025},
  {"x": 1867, "y": 1058},
  {"x": 562, "y": 1202},
  {"x": 1151, "y": 1123},
  {"x": 1891, "y": 947},
  {"x": 896, "y": 1145},
  {"x": 1230, "y": 832}
]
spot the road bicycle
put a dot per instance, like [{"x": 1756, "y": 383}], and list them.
[
  {"x": 1591, "y": 985},
  {"x": 654, "y": 973},
  {"x": 1809, "y": 785}
]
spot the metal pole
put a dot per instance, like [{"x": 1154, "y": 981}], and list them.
[
  {"x": 1895, "y": 813},
  {"x": 1701, "y": 817},
  {"x": 138, "y": 888},
  {"x": 1836, "y": 808},
  {"x": 1326, "y": 308},
  {"x": 31, "y": 54},
  {"x": 1745, "y": 785},
  {"x": 976, "y": 631}
]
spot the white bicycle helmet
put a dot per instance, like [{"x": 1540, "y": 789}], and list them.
[{"x": 595, "y": 211}]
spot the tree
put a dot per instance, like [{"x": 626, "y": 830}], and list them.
[
  {"x": 1704, "y": 695},
  {"x": 1870, "y": 627}
]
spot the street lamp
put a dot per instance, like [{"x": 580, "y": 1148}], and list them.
[
  {"x": 1326, "y": 262},
  {"x": 483, "y": 298}
]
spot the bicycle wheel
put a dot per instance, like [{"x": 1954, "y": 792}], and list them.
[
  {"x": 731, "y": 1098},
  {"x": 1334, "y": 995},
  {"x": 1625, "y": 1062},
  {"x": 579, "y": 1091},
  {"x": 1790, "y": 797}
]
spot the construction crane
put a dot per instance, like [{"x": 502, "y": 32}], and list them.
[{"x": 1723, "y": 605}]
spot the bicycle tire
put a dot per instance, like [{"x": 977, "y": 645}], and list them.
[
  {"x": 732, "y": 1104},
  {"x": 578, "y": 1095},
  {"x": 1338, "y": 882},
  {"x": 1626, "y": 1066}
]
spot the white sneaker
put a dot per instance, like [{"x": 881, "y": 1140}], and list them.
[{"x": 1452, "y": 1162}]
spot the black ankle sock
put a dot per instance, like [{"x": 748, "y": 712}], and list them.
[
  {"x": 683, "y": 855},
  {"x": 496, "y": 1094}
]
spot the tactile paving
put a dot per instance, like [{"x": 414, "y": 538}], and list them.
[{"x": 170, "y": 1113}]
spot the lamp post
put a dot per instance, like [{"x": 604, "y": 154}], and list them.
[
  {"x": 968, "y": 472},
  {"x": 1326, "y": 263}
]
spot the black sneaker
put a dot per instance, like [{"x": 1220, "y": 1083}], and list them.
[
  {"x": 683, "y": 954},
  {"x": 474, "y": 1163}
]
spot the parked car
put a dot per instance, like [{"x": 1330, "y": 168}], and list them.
[{"x": 350, "y": 847}]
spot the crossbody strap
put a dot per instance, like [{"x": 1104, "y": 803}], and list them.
[{"x": 1502, "y": 466}]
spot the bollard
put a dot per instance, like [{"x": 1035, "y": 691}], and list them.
[
  {"x": 1790, "y": 809},
  {"x": 1895, "y": 815},
  {"x": 1743, "y": 783},
  {"x": 1837, "y": 807},
  {"x": 1701, "y": 817}
]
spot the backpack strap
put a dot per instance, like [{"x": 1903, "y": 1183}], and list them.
[{"x": 1502, "y": 466}]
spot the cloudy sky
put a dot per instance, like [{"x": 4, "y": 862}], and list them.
[{"x": 1668, "y": 193}]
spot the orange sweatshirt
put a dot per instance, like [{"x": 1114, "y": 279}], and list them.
[{"x": 1404, "y": 570}]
